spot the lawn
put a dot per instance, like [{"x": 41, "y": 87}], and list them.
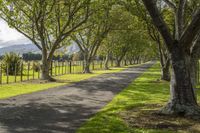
[
  {"x": 10, "y": 90},
  {"x": 134, "y": 110},
  {"x": 59, "y": 68}
]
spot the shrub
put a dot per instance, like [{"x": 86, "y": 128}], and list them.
[
  {"x": 36, "y": 66},
  {"x": 11, "y": 63}
]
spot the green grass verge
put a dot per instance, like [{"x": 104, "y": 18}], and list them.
[
  {"x": 131, "y": 111},
  {"x": 10, "y": 90}
]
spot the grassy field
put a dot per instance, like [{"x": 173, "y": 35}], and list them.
[
  {"x": 134, "y": 110},
  {"x": 10, "y": 90},
  {"x": 59, "y": 68}
]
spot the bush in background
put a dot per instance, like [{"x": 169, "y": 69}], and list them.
[
  {"x": 11, "y": 63},
  {"x": 36, "y": 66}
]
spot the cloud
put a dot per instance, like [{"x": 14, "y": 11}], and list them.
[{"x": 9, "y": 36}]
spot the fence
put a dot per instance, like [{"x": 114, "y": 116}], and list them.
[{"x": 27, "y": 72}]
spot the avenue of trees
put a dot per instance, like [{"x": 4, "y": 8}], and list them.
[{"x": 130, "y": 30}]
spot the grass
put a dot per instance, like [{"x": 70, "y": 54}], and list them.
[
  {"x": 10, "y": 90},
  {"x": 58, "y": 69},
  {"x": 133, "y": 110}
]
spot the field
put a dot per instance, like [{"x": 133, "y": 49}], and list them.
[
  {"x": 14, "y": 89},
  {"x": 58, "y": 68}
]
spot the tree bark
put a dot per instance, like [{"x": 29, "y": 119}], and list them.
[
  {"x": 118, "y": 63},
  {"x": 45, "y": 67},
  {"x": 193, "y": 73},
  {"x": 87, "y": 63},
  {"x": 165, "y": 73},
  {"x": 182, "y": 101},
  {"x": 106, "y": 62}
]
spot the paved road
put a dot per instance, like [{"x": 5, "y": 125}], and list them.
[{"x": 63, "y": 109}]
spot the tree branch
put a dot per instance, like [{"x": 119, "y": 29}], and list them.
[
  {"x": 159, "y": 22},
  {"x": 170, "y": 4},
  {"x": 191, "y": 31}
]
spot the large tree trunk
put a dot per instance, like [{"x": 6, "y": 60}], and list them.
[
  {"x": 183, "y": 101},
  {"x": 106, "y": 62},
  {"x": 87, "y": 63},
  {"x": 164, "y": 62},
  {"x": 87, "y": 67},
  {"x": 45, "y": 68},
  {"x": 193, "y": 73}
]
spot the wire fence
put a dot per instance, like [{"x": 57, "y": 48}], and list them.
[{"x": 27, "y": 70}]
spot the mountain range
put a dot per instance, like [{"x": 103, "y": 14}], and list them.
[{"x": 25, "y": 48}]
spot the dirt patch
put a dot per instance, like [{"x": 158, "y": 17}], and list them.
[{"x": 147, "y": 117}]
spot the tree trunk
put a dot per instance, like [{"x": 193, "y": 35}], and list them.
[
  {"x": 165, "y": 73},
  {"x": 118, "y": 63},
  {"x": 87, "y": 63},
  {"x": 106, "y": 62},
  {"x": 183, "y": 101},
  {"x": 125, "y": 62},
  {"x": 87, "y": 67},
  {"x": 45, "y": 67},
  {"x": 130, "y": 62},
  {"x": 193, "y": 73}
]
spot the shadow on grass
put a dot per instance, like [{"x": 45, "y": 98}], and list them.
[
  {"x": 135, "y": 110},
  {"x": 144, "y": 92},
  {"x": 64, "y": 109}
]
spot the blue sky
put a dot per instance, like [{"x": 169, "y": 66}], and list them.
[{"x": 9, "y": 36}]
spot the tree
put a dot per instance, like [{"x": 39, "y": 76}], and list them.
[
  {"x": 97, "y": 28},
  {"x": 105, "y": 50},
  {"x": 47, "y": 23},
  {"x": 182, "y": 101},
  {"x": 136, "y": 9}
]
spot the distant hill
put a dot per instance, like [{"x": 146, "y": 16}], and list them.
[
  {"x": 25, "y": 48},
  {"x": 20, "y": 49}
]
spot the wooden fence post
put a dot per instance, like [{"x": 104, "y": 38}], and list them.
[
  {"x": 33, "y": 72},
  {"x": 58, "y": 68},
  {"x": 70, "y": 67},
  {"x": 15, "y": 73},
  {"x": 83, "y": 65},
  {"x": 1, "y": 72},
  {"x": 21, "y": 73},
  {"x": 62, "y": 67},
  {"x": 66, "y": 67},
  {"x": 55, "y": 65},
  {"x": 28, "y": 71},
  {"x": 7, "y": 73},
  {"x": 39, "y": 74}
]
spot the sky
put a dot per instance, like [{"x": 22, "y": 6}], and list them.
[{"x": 9, "y": 36}]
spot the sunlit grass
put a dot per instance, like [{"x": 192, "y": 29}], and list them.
[
  {"x": 131, "y": 110},
  {"x": 10, "y": 90},
  {"x": 145, "y": 93}
]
